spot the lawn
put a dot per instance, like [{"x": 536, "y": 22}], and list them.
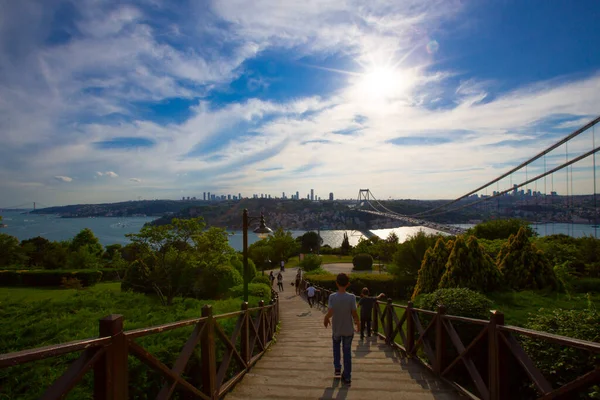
[
  {"x": 20, "y": 294},
  {"x": 327, "y": 259}
]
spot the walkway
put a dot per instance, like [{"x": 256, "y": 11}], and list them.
[{"x": 300, "y": 364}]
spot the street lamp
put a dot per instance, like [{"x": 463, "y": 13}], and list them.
[{"x": 262, "y": 232}]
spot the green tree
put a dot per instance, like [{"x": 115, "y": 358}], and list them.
[
  {"x": 501, "y": 229},
  {"x": 523, "y": 265},
  {"x": 259, "y": 252},
  {"x": 345, "y": 248},
  {"x": 470, "y": 267},
  {"x": 87, "y": 238},
  {"x": 433, "y": 267},
  {"x": 35, "y": 249},
  {"x": 56, "y": 255},
  {"x": 10, "y": 251},
  {"x": 367, "y": 246},
  {"x": 282, "y": 245},
  {"x": 410, "y": 254},
  {"x": 110, "y": 251},
  {"x": 311, "y": 241},
  {"x": 85, "y": 257},
  {"x": 388, "y": 247}
]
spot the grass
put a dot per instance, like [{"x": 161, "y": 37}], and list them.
[
  {"x": 327, "y": 259},
  {"x": 21, "y": 294}
]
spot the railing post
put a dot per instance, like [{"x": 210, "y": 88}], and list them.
[
  {"x": 440, "y": 342},
  {"x": 209, "y": 359},
  {"x": 110, "y": 372},
  {"x": 389, "y": 327},
  {"x": 375, "y": 321},
  {"x": 245, "y": 334},
  {"x": 496, "y": 378},
  {"x": 272, "y": 319},
  {"x": 261, "y": 322},
  {"x": 410, "y": 328}
]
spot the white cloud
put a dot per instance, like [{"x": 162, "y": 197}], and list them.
[
  {"x": 63, "y": 178},
  {"x": 111, "y": 174},
  {"x": 135, "y": 180},
  {"x": 98, "y": 173}
]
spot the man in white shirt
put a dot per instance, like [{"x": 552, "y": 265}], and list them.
[{"x": 310, "y": 294}]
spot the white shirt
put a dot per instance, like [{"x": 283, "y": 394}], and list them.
[{"x": 311, "y": 291}]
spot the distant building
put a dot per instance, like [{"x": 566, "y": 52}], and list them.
[
  {"x": 209, "y": 196},
  {"x": 194, "y": 198},
  {"x": 188, "y": 197},
  {"x": 297, "y": 196},
  {"x": 183, "y": 198},
  {"x": 312, "y": 194},
  {"x": 228, "y": 197},
  {"x": 331, "y": 196},
  {"x": 283, "y": 195},
  {"x": 204, "y": 196}
]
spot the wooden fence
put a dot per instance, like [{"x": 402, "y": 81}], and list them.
[
  {"x": 483, "y": 359},
  {"x": 108, "y": 354}
]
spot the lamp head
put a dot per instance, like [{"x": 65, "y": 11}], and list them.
[{"x": 263, "y": 231}]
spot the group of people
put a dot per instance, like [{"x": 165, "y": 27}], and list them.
[{"x": 279, "y": 280}]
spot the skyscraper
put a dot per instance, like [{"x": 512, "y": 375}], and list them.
[
  {"x": 297, "y": 195},
  {"x": 331, "y": 196},
  {"x": 204, "y": 194},
  {"x": 312, "y": 194},
  {"x": 239, "y": 196},
  {"x": 209, "y": 196},
  {"x": 283, "y": 195}
]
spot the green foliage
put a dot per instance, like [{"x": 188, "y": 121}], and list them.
[
  {"x": 282, "y": 245},
  {"x": 564, "y": 276},
  {"x": 86, "y": 238},
  {"x": 216, "y": 280},
  {"x": 523, "y": 265},
  {"x": 388, "y": 247},
  {"x": 257, "y": 290},
  {"x": 458, "y": 301},
  {"x": 433, "y": 267},
  {"x": 345, "y": 247},
  {"x": 492, "y": 247},
  {"x": 561, "y": 364},
  {"x": 237, "y": 262},
  {"x": 137, "y": 278},
  {"x": 85, "y": 257},
  {"x": 260, "y": 252},
  {"x": 36, "y": 278},
  {"x": 311, "y": 262},
  {"x": 586, "y": 285},
  {"x": 111, "y": 250},
  {"x": 410, "y": 254},
  {"x": 35, "y": 249},
  {"x": 367, "y": 246},
  {"x": 70, "y": 283},
  {"x": 318, "y": 272},
  {"x": 310, "y": 242},
  {"x": 264, "y": 279},
  {"x": 397, "y": 288},
  {"x": 501, "y": 229},
  {"x": 470, "y": 267},
  {"x": 362, "y": 262},
  {"x": 10, "y": 251}
]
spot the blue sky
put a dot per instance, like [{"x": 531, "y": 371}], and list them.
[{"x": 116, "y": 100}]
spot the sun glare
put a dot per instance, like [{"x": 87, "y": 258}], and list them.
[{"x": 381, "y": 83}]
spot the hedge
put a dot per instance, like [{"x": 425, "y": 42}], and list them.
[
  {"x": 363, "y": 262},
  {"x": 259, "y": 290},
  {"x": 399, "y": 289},
  {"x": 586, "y": 285},
  {"x": 88, "y": 277},
  {"x": 112, "y": 274}
]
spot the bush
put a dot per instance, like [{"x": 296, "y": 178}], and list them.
[
  {"x": 410, "y": 254},
  {"x": 470, "y": 267},
  {"x": 264, "y": 279},
  {"x": 215, "y": 281},
  {"x": 362, "y": 262},
  {"x": 48, "y": 278},
  {"x": 259, "y": 290},
  {"x": 318, "y": 271},
  {"x": 397, "y": 288},
  {"x": 586, "y": 285},
  {"x": 238, "y": 264},
  {"x": 524, "y": 266},
  {"x": 501, "y": 229},
  {"x": 561, "y": 364},
  {"x": 112, "y": 274},
  {"x": 137, "y": 278},
  {"x": 311, "y": 262},
  {"x": 71, "y": 283},
  {"x": 458, "y": 301}
]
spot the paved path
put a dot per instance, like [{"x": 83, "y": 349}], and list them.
[
  {"x": 300, "y": 364},
  {"x": 336, "y": 268}
]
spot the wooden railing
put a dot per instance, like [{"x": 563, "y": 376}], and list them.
[
  {"x": 481, "y": 358},
  {"x": 108, "y": 354}
]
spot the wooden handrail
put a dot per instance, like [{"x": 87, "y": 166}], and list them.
[
  {"x": 491, "y": 346},
  {"x": 108, "y": 354}
]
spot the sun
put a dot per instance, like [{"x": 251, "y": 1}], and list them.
[{"x": 381, "y": 83}]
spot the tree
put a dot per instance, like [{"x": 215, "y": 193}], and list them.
[
  {"x": 387, "y": 248},
  {"x": 367, "y": 246},
  {"x": 470, "y": 267},
  {"x": 501, "y": 229},
  {"x": 433, "y": 267},
  {"x": 282, "y": 245},
  {"x": 311, "y": 241},
  {"x": 85, "y": 257},
  {"x": 345, "y": 248},
  {"x": 110, "y": 251},
  {"x": 35, "y": 249},
  {"x": 87, "y": 238},
  {"x": 10, "y": 251},
  {"x": 259, "y": 252},
  {"x": 523, "y": 265},
  {"x": 56, "y": 255},
  {"x": 410, "y": 253}
]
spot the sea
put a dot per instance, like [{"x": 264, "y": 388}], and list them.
[{"x": 111, "y": 230}]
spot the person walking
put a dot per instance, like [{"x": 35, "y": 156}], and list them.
[
  {"x": 298, "y": 280},
  {"x": 310, "y": 294},
  {"x": 366, "y": 304},
  {"x": 342, "y": 308},
  {"x": 271, "y": 278},
  {"x": 282, "y": 264},
  {"x": 280, "y": 281}
]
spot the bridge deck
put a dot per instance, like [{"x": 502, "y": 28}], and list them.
[{"x": 300, "y": 364}]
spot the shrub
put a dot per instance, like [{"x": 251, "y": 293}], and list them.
[
  {"x": 238, "y": 264},
  {"x": 112, "y": 274},
  {"x": 311, "y": 262},
  {"x": 433, "y": 267},
  {"x": 318, "y": 271},
  {"x": 561, "y": 364},
  {"x": 70, "y": 283},
  {"x": 458, "y": 301},
  {"x": 137, "y": 278},
  {"x": 259, "y": 290},
  {"x": 523, "y": 265},
  {"x": 215, "y": 281},
  {"x": 264, "y": 279},
  {"x": 470, "y": 267},
  {"x": 410, "y": 254},
  {"x": 397, "y": 288},
  {"x": 48, "y": 278},
  {"x": 362, "y": 262},
  {"x": 586, "y": 285},
  {"x": 501, "y": 229}
]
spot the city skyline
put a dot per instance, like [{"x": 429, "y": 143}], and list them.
[{"x": 108, "y": 101}]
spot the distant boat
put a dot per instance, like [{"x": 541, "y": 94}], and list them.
[{"x": 3, "y": 226}]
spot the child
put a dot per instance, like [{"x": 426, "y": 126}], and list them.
[
  {"x": 342, "y": 307},
  {"x": 310, "y": 294},
  {"x": 366, "y": 304}
]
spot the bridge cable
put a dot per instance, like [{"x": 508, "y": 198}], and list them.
[
  {"x": 520, "y": 166},
  {"x": 553, "y": 170}
]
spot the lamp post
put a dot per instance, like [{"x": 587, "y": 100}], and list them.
[{"x": 262, "y": 232}]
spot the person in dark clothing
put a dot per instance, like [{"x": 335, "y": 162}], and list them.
[
  {"x": 366, "y": 304},
  {"x": 272, "y": 278},
  {"x": 298, "y": 280},
  {"x": 280, "y": 281}
]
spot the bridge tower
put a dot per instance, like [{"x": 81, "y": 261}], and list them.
[{"x": 363, "y": 195}]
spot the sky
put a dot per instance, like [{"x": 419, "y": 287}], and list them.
[{"x": 104, "y": 101}]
